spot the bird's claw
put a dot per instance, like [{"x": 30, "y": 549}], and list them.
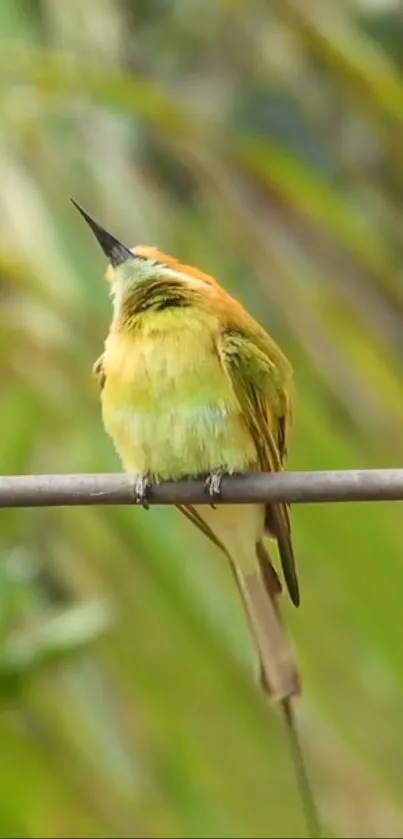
[
  {"x": 212, "y": 486},
  {"x": 141, "y": 490}
]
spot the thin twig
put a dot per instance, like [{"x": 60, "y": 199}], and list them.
[{"x": 295, "y": 487}]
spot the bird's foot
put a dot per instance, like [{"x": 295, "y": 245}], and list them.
[
  {"x": 141, "y": 489},
  {"x": 212, "y": 485}
]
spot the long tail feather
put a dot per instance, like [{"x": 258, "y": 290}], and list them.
[
  {"x": 304, "y": 785},
  {"x": 279, "y": 673},
  {"x": 269, "y": 573},
  {"x": 277, "y": 660},
  {"x": 260, "y": 587}
]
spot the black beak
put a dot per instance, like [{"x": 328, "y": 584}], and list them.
[{"x": 112, "y": 248}]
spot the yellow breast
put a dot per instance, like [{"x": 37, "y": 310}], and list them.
[{"x": 169, "y": 405}]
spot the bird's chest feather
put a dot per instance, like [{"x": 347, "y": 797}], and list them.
[{"x": 169, "y": 405}]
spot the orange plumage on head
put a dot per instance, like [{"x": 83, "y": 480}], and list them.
[{"x": 155, "y": 255}]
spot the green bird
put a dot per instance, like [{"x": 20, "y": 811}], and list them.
[{"x": 192, "y": 385}]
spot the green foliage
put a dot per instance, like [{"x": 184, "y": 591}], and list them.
[{"x": 261, "y": 142}]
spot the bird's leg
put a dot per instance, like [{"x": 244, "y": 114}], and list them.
[
  {"x": 141, "y": 489},
  {"x": 212, "y": 485}
]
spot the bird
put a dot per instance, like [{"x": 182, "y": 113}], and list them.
[{"x": 193, "y": 386}]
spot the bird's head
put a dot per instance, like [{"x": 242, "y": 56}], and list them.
[{"x": 130, "y": 266}]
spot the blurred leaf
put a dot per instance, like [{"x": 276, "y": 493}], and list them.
[{"x": 26, "y": 651}]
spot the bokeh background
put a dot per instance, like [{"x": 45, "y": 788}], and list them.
[{"x": 262, "y": 141}]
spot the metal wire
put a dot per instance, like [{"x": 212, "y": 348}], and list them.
[{"x": 294, "y": 487}]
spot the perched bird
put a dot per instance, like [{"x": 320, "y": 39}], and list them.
[{"x": 191, "y": 385}]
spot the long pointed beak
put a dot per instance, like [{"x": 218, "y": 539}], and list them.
[{"x": 116, "y": 252}]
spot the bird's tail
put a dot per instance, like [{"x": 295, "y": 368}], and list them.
[{"x": 259, "y": 587}]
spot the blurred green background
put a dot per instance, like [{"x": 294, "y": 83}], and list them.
[{"x": 263, "y": 142}]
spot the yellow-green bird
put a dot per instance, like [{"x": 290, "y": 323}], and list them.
[{"x": 192, "y": 385}]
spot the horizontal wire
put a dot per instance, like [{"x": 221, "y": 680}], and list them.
[{"x": 293, "y": 487}]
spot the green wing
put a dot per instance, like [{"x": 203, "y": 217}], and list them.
[
  {"x": 98, "y": 371},
  {"x": 262, "y": 380}
]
